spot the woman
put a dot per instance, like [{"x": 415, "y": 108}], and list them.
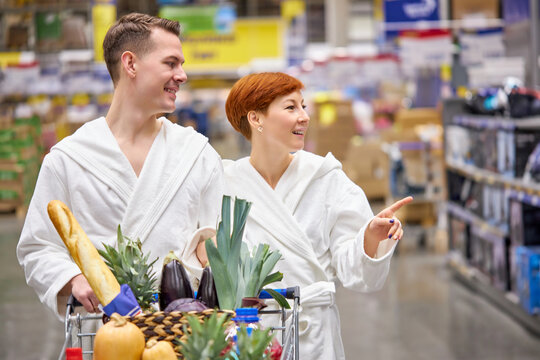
[{"x": 305, "y": 206}]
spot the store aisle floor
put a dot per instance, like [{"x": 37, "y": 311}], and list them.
[{"x": 421, "y": 313}]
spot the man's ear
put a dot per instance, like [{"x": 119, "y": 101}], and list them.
[
  {"x": 254, "y": 119},
  {"x": 128, "y": 63}
]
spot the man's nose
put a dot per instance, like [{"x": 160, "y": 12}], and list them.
[{"x": 180, "y": 75}]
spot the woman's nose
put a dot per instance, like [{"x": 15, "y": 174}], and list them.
[{"x": 304, "y": 117}]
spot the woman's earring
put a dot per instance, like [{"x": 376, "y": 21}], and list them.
[{"x": 260, "y": 129}]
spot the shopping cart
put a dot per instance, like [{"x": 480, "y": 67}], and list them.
[{"x": 77, "y": 336}]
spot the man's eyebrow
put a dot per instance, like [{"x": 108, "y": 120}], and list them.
[{"x": 175, "y": 58}]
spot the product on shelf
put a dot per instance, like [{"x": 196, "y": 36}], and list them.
[
  {"x": 525, "y": 143},
  {"x": 506, "y": 156},
  {"x": 524, "y": 223},
  {"x": 459, "y": 237},
  {"x": 532, "y": 169},
  {"x": 489, "y": 255},
  {"x": 528, "y": 278}
]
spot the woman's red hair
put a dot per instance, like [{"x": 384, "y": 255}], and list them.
[{"x": 256, "y": 92}]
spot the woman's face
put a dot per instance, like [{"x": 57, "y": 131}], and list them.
[{"x": 285, "y": 123}]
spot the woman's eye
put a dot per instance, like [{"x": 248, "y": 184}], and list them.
[
  {"x": 291, "y": 107},
  {"x": 304, "y": 106}
]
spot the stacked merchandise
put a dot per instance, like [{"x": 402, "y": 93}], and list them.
[
  {"x": 491, "y": 143},
  {"x": 45, "y": 25},
  {"x": 367, "y": 165},
  {"x": 414, "y": 145},
  {"x": 332, "y": 126},
  {"x": 525, "y": 250},
  {"x": 20, "y": 157}
]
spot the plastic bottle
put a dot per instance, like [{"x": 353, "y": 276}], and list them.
[
  {"x": 248, "y": 316},
  {"x": 74, "y": 354},
  {"x": 244, "y": 316}
]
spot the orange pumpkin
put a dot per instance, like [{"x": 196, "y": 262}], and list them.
[
  {"x": 158, "y": 350},
  {"x": 118, "y": 339}
]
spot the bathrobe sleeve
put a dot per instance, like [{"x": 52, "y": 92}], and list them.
[
  {"x": 212, "y": 193},
  {"x": 209, "y": 211},
  {"x": 348, "y": 216},
  {"x": 45, "y": 259}
]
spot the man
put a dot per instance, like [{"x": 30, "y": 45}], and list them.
[{"x": 158, "y": 180}]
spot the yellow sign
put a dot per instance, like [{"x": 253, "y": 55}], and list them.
[
  {"x": 378, "y": 10},
  {"x": 9, "y": 58},
  {"x": 250, "y": 39},
  {"x": 103, "y": 16},
  {"x": 327, "y": 114},
  {"x": 292, "y": 8}
]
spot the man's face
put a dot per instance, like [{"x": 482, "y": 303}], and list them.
[{"x": 160, "y": 72}]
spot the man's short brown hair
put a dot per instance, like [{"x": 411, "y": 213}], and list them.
[{"x": 131, "y": 33}]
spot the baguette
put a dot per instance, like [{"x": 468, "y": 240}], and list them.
[{"x": 84, "y": 253}]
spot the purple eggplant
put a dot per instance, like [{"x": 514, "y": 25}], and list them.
[
  {"x": 207, "y": 289},
  {"x": 185, "y": 305},
  {"x": 175, "y": 282}
]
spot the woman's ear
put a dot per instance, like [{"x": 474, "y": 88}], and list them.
[
  {"x": 254, "y": 119},
  {"x": 128, "y": 63}
]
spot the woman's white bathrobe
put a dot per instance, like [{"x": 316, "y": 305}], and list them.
[
  {"x": 179, "y": 189},
  {"x": 316, "y": 217}
]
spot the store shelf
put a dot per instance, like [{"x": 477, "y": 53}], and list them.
[
  {"x": 525, "y": 197},
  {"x": 473, "y": 23},
  {"x": 470, "y": 218},
  {"x": 492, "y": 178},
  {"x": 507, "y": 302},
  {"x": 496, "y": 122},
  {"x": 47, "y": 8}
]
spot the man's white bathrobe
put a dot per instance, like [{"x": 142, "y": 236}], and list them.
[
  {"x": 179, "y": 189},
  {"x": 316, "y": 217}
]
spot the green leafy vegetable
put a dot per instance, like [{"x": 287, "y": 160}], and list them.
[{"x": 237, "y": 272}]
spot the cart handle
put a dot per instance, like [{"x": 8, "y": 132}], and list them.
[
  {"x": 72, "y": 303},
  {"x": 288, "y": 293}
]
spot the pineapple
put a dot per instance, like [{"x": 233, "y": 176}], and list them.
[
  {"x": 253, "y": 344},
  {"x": 130, "y": 266},
  {"x": 205, "y": 340}
]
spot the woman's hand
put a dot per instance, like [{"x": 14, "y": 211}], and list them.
[
  {"x": 201, "y": 251},
  {"x": 384, "y": 226}
]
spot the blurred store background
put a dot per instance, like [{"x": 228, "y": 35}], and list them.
[{"x": 432, "y": 98}]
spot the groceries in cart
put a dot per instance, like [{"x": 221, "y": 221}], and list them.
[{"x": 147, "y": 320}]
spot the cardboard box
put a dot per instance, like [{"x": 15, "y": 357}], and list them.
[
  {"x": 331, "y": 128},
  {"x": 463, "y": 9},
  {"x": 419, "y": 212},
  {"x": 409, "y": 118},
  {"x": 367, "y": 165}
]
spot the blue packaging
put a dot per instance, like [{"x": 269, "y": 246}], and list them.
[{"x": 528, "y": 277}]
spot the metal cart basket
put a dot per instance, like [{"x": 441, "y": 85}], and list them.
[{"x": 77, "y": 335}]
